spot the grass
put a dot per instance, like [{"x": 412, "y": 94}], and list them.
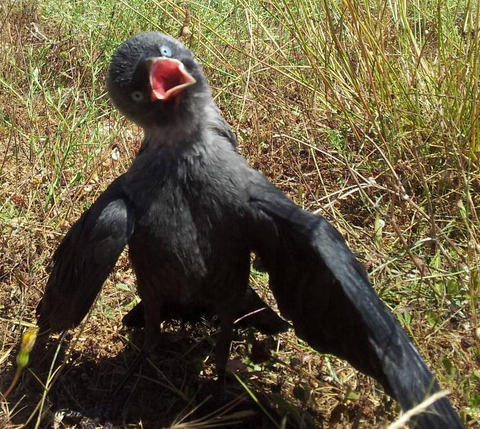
[{"x": 363, "y": 111}]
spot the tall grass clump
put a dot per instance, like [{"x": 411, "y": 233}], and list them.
[
  {"x": 400, "y": 82},
  {"x": 395, "y": 88}
]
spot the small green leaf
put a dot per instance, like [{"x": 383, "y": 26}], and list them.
[
  {"x": 433, "y": 318},
  {"x": 351, "y": 395},
  {"x": 122, "y": 286},
  {"x": 447, "y": 363},
  {"x": 452, "y": 287}
]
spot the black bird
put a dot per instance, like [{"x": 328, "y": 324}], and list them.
[{"x": 192, "y": 211}]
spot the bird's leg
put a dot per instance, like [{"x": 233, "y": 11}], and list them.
[{"x": 153, "y": 320}]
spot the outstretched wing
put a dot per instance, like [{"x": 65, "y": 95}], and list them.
[
  {"x": 321, "y": 287},
  {"x": 84, "y": 259}
]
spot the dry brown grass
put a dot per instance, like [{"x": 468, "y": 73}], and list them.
[{"x": 57, "y": 136}]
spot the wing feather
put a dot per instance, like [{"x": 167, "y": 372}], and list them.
[
  {"x": 322, "y": 288},
  {"x": 84, "y": 259}
]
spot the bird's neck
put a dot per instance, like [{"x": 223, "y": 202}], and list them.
[
  {"x": 170, "y": 134},
  {"x": 184, "y": 129}
]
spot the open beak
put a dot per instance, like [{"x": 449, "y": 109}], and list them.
[{"x": 168, "y": 78}]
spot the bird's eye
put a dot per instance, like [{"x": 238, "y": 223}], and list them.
[
  {"x": 165, "y": 51},
  {"x": 137, "y": 96}
]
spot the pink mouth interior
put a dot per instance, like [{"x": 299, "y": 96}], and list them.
[{"x": 168, "y": 78}]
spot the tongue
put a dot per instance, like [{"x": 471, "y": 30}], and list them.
[{"x": 168, "y": 78}]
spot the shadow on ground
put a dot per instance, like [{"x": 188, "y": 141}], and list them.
[{"x": 176, "y": 384}]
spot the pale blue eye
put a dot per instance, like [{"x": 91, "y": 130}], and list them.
[
  {"x": 137, "y": 96},
  {"x": 165, "y": 51}
]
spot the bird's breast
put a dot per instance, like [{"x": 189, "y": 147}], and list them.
[{"x": 188, "y": 241}]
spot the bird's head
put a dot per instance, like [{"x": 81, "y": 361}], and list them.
[{"x": 153, "y": 78}]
